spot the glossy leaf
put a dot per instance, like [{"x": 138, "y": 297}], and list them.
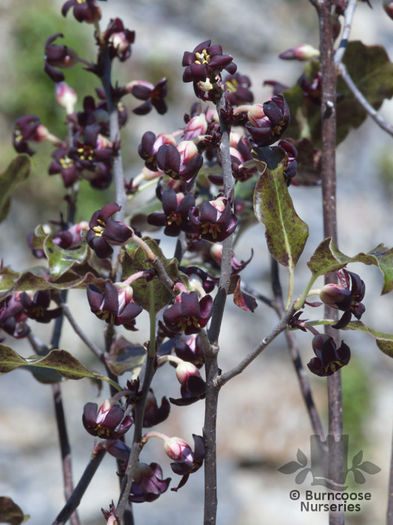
[
  {"x": 328, "y": 258},
  {"x": 125, "y": 357},
  {"x": 10, "y": 512},
  {"x": 286, "y": 233},
  {"x": 17, "y": 171},
  {"x": 60, "y": 360},
  {"x": 135, "y": 260}
]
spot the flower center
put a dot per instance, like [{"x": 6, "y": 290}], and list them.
[
  {"x": 66, "y": 162},
  {"x": 210, "y": 228},
  {"x": 232, "y": 85},
  {"x": 99, "y": 228},
  {"x": 202, "y": 58},
  {"x": 86, "y": 152},
  {"x": 173, "y": 218}
]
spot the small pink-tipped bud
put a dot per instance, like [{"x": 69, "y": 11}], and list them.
[
  {"x": 66, "y": 97},
  {"x": 388, "y": 7},
  {"x": 300, "y": 52},
  {"x": 255, "y": 114},
  {"x": 195, "y": 127},
  {"x": 41, "y": 134},
  {"x": 216, "y": 252},
  {"x": 119, "y": 42},
  {"x": 178, "y": 450},
  {"x": 184, "y": 370},
  {"x": 187, "y": 150}
]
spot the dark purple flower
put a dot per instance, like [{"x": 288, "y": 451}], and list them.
[
  {"x": 114, "y": 306},
  {"x": 92, "y": 148},
  {"x": 105, "y": 231},
  {"x": 240, "y": 155},
  {"x": 180, "y": 162},
  {"x": 193, "y": 387},
  {"x": 148, "y": 483},
  {"x": 214, "y": 220},
  {"x": 328, "y": 358},
  {"x": 188, "y": 314},
  {"x": 83, "y": 10},
  {"x": 176, "y": 213},
  {"x": 149, "y": 146},
  {"x": 153, "y": 96},
  {"x": 206, "y": 61},
  {"x": 291, "y": 168},
  {"x": 107, "y": 422},
  {"x": 346, "y": 296},
  {"x": 312, "y": 89},
  {"x": 119, "y": 39},
  {"x": 37, "y": 307},
  {"x": 58, "y": 57},
  {"x": 154, "y": 414},
  {"x": 65, "y": 165},
  {"x": 267, "y": 122},
  {"x": 72, "y": 237},
  {"x": 189, "y": 348},
  {"x": 13, "y": 317},
  {"x": 237, "y": 89},
  {"x": 186, "y": 461},
  {"x": 27, "y": 128}
]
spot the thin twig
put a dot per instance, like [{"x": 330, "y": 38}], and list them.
[
  {"x": 348, "y": 19},
  {"x": 80, "y": 489},
  {"x": 280, "y": 327},
  {"x": 78, "y": 330},
  {"x": 382, "y": 123},
  {"x": 140, "y": 412}
]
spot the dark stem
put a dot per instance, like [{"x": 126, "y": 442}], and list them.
[
  {"x": 80, "y": 489},
  {"x": 211, "y": 351},
  {"x": 209, "y": 434},
  {"x": 328, "y": 165},
  {"x": 304, "y": 384},
  {"x": 389, "y": 516}
]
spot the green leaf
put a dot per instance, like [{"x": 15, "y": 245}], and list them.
[
  {"x": 125, "y": 356},
  {"x": 135, "y": 260},
  {"x": 286, "y": 233},
  {"x": 371, "y": 71},
  {"x": 328, "y": 258},
  {"x": 60, "y": 360},
  {"x": 384, "y": 341},
  {"x": 61, "y": 260},
  {"x": 17, "y": 171},
  {"x": 10, "y": 512}
]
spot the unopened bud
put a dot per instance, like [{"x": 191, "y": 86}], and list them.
[
  {"x": 300, "y": 52},
  {"x": 66, "y": 97}
]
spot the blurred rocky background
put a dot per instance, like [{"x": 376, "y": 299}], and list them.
[{"x": 262, "y": 418}]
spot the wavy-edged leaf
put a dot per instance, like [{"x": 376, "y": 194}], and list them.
[
  {"x": 125, "y": 356},
  {"x": 135, "y": 260},
  {"x": 10, "y": 512},
  {"x": 286, "y": 233},
  {"x": 61, "y": 260},
  {"x": 17, "y": 171},
  {"x": 371, "y": 71},
  {"x": 290, "y": 468},
  {"x": 59, "y": 360},
  {"x": 328, "y": 258}
]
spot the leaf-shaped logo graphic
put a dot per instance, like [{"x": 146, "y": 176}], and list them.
[
  {"x": 290, "y": 468},
  {"x": 369, "y": 467},
  {"x": 301, "y": 457},
  {"x": 301, "y": 476},
  {"x": 356, "y": 460}
]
